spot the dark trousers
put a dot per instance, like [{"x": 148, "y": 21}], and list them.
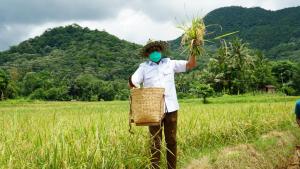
[{"x": 169, "y": 125}]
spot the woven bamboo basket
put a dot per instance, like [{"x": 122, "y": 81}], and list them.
[{"x": 147, "y": 106}]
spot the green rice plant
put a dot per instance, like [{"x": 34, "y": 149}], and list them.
[{"x": 95, "y": 134}]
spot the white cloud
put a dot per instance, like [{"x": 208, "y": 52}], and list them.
[
  {"x": 133, "y": 20},
  {"x": 135, "y": 26},
  {"x": 13, "y": 34},
  {"x": 130, "y": 25},
  {"x": 168, "y": 10}
]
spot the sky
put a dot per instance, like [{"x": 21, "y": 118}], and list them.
[{"x": 133, "y": 20}]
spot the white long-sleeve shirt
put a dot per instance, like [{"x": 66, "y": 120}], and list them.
[{"x": 161, "y": 75}]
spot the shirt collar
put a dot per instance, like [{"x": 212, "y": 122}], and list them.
[{"x": 163, "y": 60}]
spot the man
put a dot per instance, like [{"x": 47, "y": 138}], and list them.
[
  {"x": 297, "y": 112},
  {"x": 159, "y": 72}
]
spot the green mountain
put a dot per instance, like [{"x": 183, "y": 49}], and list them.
[
  {"x": 71, "y": 62},
  {"x": 277, "y": 33},
  {"x": 71, "y": 51}
]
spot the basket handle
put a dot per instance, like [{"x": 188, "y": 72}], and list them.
[
  {"x": 130, "y": 116},
  {"x": 164, "y": 98}
]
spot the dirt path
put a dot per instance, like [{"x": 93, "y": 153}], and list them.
[
  {"x": 273, "y": 150},
  {"x": 294, "y": 161}
]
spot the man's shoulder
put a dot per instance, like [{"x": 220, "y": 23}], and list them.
[
  {"x": 144, "y": 64},
  {"x": 166, "y": 60}
]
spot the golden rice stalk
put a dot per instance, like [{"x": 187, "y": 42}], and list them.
[{"x": 193, "y": 37}]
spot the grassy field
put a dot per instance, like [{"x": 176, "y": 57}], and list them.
[{"x": 95, "y": 134}]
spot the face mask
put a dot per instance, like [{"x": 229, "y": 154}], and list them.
[{"x": 155, "y": 56}]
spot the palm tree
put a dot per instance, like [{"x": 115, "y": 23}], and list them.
[
  {"x": 240, "y": 62},
  {"x": 232, "y": 66}
]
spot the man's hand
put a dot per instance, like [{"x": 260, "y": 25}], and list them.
[
  {"x": 298, "y": 121},
  {"x": 191, "y": 63},
  {"x": 130, "y": 84}
]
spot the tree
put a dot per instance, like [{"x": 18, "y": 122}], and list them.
[
  {"x": 296, "y": 80},
  {"x": 57, "y": 93},
  {"x": 4, "y": 79},
  {"x": 286, "y": 73},
  {"x": 202, "y": 91},
  {"x": 12, "y": 90},
  {"x": 262, "y": 72},
  {"x": 106, "y": 90},
  {"x": 84, "y": 87},
  {"x": 241, "y": 66},
  {"x": 218, "y": 72},
  {"x": 231, "y": 67},
  {"x": 31, "y": 82},
  {"x": 38, "y": 94},
  {"x": 183, "y": 85}
]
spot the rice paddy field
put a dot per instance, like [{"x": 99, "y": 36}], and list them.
[{"x": 38, "y": 134}]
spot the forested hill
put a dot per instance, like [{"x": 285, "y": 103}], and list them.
[
  {"x": 263, "y": 29},
  {"x": 277, "y": 33},
  {"x": 72, "y": 50},
  {"x": 70, "y": 62}
]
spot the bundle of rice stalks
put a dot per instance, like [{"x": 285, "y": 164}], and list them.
[{"x": 193, "y": 37}]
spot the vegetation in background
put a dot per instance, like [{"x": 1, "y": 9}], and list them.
[
  {"x": 75, "y": 63},
  {"x": 68, "y": 63},
  {"x": 237, "y": 69},
  {"x": 263, "y": 29},
  {"x": 275, "y": 33}
]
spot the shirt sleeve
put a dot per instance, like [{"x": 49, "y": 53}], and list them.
[
  {"x": 137, "y": 77},
  {"x": 297, "y": 109},
  {"x": 179, "y": 65}
]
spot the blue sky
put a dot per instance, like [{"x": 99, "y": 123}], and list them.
[{"x": 132, "y": 20}]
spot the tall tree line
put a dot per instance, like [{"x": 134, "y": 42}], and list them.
[{"x": 236, "y": 69}]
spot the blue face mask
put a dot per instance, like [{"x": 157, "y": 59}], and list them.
[{"x": 155, "y": 56}]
